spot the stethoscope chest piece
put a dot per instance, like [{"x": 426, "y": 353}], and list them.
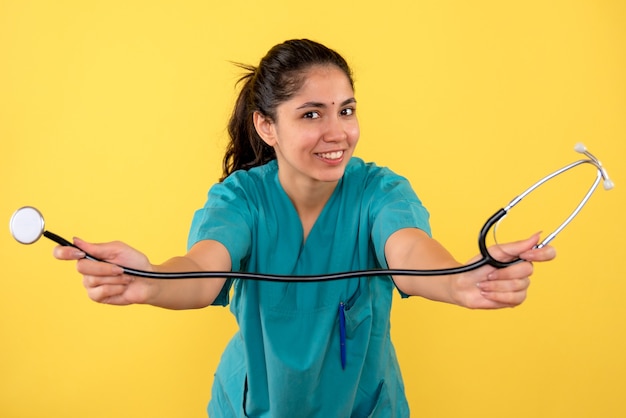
[{"x": 27, "y": 225}]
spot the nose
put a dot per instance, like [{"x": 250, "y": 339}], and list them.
[{"x": 335, "y": 130}]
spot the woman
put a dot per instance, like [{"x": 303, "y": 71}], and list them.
[{"x": 294, "y": 201}]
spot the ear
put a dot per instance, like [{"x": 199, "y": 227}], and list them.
[{"x": 265, "y": 128}]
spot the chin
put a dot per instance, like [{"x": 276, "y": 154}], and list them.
[{"x": 333, "y": 175}]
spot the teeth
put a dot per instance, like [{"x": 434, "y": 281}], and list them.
[{"x": 331, "y": 155}]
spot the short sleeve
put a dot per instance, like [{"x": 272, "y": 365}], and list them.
[
  {"x": 395, "y": 206},
  {"x": 225, "y": 218}
]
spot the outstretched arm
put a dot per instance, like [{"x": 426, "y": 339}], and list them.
[
  {"x": 106, "y": 283},
  {"x": 483, "y": 288}
]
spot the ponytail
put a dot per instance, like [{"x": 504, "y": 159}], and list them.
[{"x": 246, "y": 149}]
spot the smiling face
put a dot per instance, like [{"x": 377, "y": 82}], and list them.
[{"x": 315, "y": 132}]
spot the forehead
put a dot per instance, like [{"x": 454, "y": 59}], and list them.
[{"x": 327, "y": 81}]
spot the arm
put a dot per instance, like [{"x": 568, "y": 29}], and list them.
[
  {"x": 485, "y": 287},
  {"x": 105, "y": 282}
]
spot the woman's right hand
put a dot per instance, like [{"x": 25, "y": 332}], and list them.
[{"x": 105, "y": 280}]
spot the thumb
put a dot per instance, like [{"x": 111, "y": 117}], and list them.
[{"x": 512, "y": 250}]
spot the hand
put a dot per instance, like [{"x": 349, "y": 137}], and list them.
[
  {"x": 491, "y": 288},
  {"x": 105, "y": 281}
]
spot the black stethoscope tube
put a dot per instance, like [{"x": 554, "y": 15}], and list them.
[{"x": 486, "y": 259}]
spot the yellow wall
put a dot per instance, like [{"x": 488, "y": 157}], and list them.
[{"x": 112, "y": 118}]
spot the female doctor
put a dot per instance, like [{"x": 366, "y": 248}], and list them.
[{"x": 294, "y": 200}]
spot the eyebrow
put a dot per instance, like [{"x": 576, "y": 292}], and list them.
[{"x": 323, "y": 105}]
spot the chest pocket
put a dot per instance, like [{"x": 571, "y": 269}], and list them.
[{"x": 357, "y": 310}]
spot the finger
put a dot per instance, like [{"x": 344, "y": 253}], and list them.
[
  {"x": 505, "y": 299},
  {"x": 514, "y": 271},
  {"x": 503, "y": 286},
  {"x": 106, "y": 251},
  {"x": 98, "y": 268},
  {"x": 512, "y": 250},
  {"x": 95, "y": 281},
  {"x": 546, "y": 253},
  {"x": 107, "y": 293},
  {"x": 62, "y": 252},
  {"x": 507, "y": 287}
]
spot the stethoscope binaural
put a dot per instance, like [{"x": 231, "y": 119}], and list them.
[{"x": 27, "y": 226}]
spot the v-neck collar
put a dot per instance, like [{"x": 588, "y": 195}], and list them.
[{"x": 296, "y": 217}]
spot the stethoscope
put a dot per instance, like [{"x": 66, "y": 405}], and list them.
[{"x": 27, "y": 226}]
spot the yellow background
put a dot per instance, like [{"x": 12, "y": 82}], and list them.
[{"x": 112, "y": 123}]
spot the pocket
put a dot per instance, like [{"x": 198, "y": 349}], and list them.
[
  {"x": 245, "y": 396},
  {"x": 382, "y": 406},
  {"x": 355, "y": 325},
  {"x": 226, "y": 403},
  {"x": 374, "y": 404},
  {"x": 357, "y": 310}
]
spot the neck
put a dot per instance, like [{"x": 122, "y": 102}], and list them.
[
  {"x": 307, "y": 195},
  {"x": 308, "y": 198}
]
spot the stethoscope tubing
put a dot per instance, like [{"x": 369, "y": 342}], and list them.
[
  {"x": 486, "y": 259},
  {"x": 279, "y": 277},
  {"x": 291, "y": 278}
]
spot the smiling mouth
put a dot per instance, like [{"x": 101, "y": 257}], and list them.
[{"x": 335, "y": 155}]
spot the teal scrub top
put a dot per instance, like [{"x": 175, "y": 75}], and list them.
[{"x": 285, "y": 360}]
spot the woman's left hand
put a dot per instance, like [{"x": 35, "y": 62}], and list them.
[{"x": 492, "y": 288}]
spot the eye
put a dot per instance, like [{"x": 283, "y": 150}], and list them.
[
  {"x": 311, "y": 115},
  {"x": 348, "y": 111}
]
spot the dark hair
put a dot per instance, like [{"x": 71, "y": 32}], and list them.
[{"x": 278, "y": 77}]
